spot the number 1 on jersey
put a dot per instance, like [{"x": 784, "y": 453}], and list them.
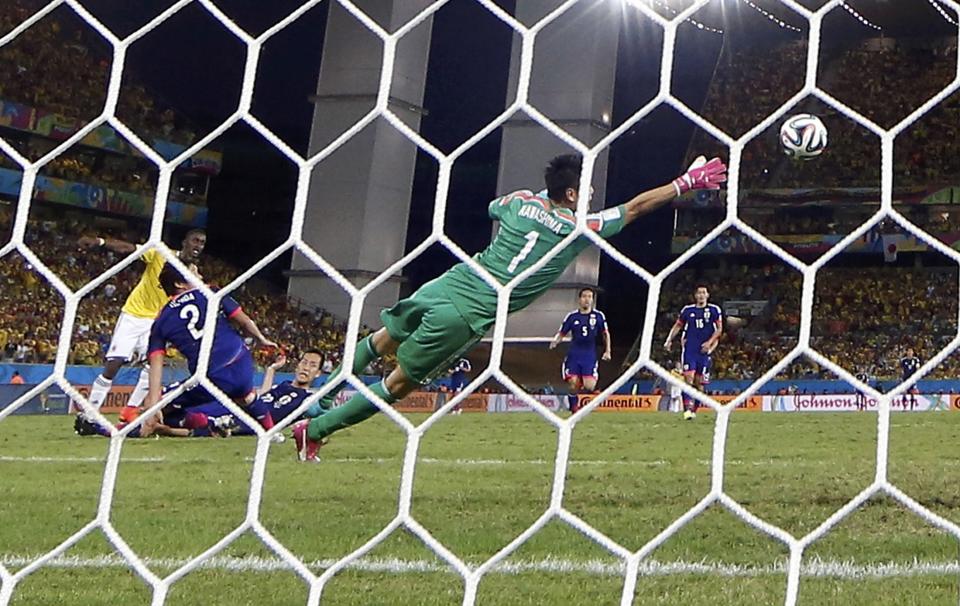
[{"x": 525, "y": 251}]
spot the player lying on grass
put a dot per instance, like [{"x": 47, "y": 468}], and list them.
[
  {"x": 215, "y": 419},
  {"x": 447, "y": 316},
  {"x": 85, "y": 427},
  {"x": 279, "y": 400}
]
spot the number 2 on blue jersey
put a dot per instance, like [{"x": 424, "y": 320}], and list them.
[{"x": 191, "y": 313}]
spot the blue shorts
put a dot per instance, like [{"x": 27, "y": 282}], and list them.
[
  {"x": 457, "y": 382},
  {"x": 579, "y": 366},
  {"x": 234, "y": 379},
  {"x": 697, "y": 362}
]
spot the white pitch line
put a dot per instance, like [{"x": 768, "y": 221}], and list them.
[{"x": 813, "y": 568}]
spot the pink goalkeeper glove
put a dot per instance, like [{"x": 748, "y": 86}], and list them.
[{"x": 702, "y": 175}]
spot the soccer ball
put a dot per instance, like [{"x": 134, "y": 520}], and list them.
[{"x": 803, "y": 136}]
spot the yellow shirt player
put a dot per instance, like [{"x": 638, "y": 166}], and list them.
[
  {"x": 147, "y": 298},
  {"x": 132, "y": 331}
]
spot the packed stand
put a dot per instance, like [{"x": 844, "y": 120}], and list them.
[
  {"x": 881, "y": 79},
  {"x": 123, "y": 173},
  {"x": 838, "y": 219},
  {"x": 60, "y": 64}
]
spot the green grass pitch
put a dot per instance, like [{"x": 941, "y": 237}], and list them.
[{"x": 481, "y": 480}]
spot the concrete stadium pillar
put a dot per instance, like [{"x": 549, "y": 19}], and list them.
[
  {"x": 359, "y": 198},
  {"x": 573, "y": 77}
]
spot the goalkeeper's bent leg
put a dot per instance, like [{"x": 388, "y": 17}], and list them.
[
  {"x": 356, "y": 409},
  {"x": 365, "y": 354}
]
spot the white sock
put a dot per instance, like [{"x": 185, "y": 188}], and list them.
[
  {"x": 99, "y": 390},
  {"x": 143, "y": 387}
]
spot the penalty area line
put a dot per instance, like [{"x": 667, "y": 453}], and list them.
[{"x": 846, "y": 569}]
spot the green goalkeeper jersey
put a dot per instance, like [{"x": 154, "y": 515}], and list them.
[{"x": 530, "y": 226}]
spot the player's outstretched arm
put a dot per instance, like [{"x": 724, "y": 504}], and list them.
[
  {"x": 115, "y": 244},
  {"x": 172, "y": 432},
  {"x": 702, "y": 174},
  {"x": 247, "y": 325}
]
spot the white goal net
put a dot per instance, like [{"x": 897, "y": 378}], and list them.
[{"x": 632, "y": 561}]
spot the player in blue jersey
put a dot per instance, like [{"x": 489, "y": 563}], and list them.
[
  {"x": 909, "y": 364},
  {"x": 701, "y": 325},
  {"x": 458, "y": 380},
  {"x": 180, "y": 323},
  {"x": 458, "y": 375},
  {"x": 279, "y": 400},
  {"x": 583, "y": 325}
]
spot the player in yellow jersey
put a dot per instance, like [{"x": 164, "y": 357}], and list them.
[{"x": 132, "y": 331}]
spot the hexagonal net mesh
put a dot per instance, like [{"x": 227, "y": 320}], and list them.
[{"x": 631, "y": 560}]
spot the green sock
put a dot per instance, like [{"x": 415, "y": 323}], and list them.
[
  {"x": 365, "y": 354},
  {"x": 356, "y": 409}
]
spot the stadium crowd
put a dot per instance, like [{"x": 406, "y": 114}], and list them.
[
  {"x": 60, "y": 65},
  {"x": 124, "y": 173},
  {"x": 788, "y": 220},
  {"x": 881, "y": 79}
]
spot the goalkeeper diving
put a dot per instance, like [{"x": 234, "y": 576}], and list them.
[{"x": 448, "y": 315}]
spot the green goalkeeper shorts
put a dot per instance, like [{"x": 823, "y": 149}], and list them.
[{"x": 432, "y": 333}]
